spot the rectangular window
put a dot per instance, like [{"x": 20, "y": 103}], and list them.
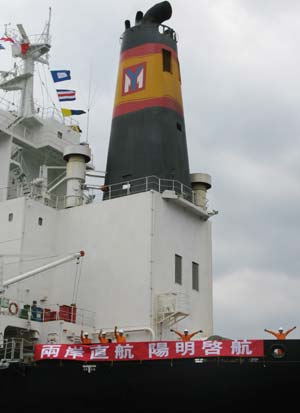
[
  {"x": 178, "y": 269},
  {"x": 195, "y": 274},
  {"x": 166, "y": 55}
]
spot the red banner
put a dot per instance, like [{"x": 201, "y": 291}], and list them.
[{"x": 155, "y": 350}]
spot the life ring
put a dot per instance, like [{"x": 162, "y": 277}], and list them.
[{"x": 13, "y": 308}]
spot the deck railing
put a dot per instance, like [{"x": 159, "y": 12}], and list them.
[
  {"x": 94, "y": 193},
  {"x": 46, "y": 313},
  {"x": 13, "y": 350}
]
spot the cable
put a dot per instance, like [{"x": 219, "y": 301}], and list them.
[
  {"x": 10, "y": 240},
  {"x": 32, "y": 259},
  {"x": 75, "y": 282},
  {"x": 80, "y": 273}
]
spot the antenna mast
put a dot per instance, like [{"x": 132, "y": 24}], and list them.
[
  {"x": 30, "y": 52},
  {"x": 89, "y": 107},
  {"x": 48, "y": 27}
]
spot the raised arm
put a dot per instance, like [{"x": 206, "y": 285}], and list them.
[
  {"x": 196, "y": 332},
  {"x": 291, "y": 329},
  {"x": 100, "y": 332},
  {"x": 116, "y": 334},
  {"x": 271, "y": 332},
  {"x": 176, "y": 332}
]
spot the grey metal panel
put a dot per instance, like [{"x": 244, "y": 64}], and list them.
[
  {"x": 146, "y": 33},
  {"x": 148, "y": 142}
]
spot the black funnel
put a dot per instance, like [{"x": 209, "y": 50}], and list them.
[
  {"x": 158, "y": 13},
  {"x": 148, "y": 131}
]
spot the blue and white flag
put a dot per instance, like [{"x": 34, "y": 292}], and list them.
[
  {"x": 60, "y": 75},
  {"x": 66, "y": 94}
]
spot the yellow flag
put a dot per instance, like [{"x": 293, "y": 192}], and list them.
[
  {"x": 66, "y": 112},
  {"x": 76, "y": 128}
]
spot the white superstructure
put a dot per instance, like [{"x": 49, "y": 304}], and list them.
[{"x": 148, "y": 254}]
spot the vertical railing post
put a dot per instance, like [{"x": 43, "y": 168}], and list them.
[
  {"x": 13, "y": 347},
  {"x": 146, "y": 183},
  {"x": 22, "y": 349},
  {"x": 5, "y": 348}
]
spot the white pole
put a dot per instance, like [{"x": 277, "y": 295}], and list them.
[
  {"x": 43, "y": 268},
  {"x": 1, "y": 274}
]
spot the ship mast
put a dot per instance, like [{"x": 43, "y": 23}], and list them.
[{"x": 30, "y": 52}]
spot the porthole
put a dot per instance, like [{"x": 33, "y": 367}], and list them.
[{"x": 278, "y": 351}]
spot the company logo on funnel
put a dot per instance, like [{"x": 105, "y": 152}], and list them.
[{"x": 134, "y": 78}]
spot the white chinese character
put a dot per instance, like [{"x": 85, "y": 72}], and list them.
[
  {"x": 99, "y": 352},
  {"x": 124, "y": 351},
  {"x": 212, "y": 347},
  {"x": 74, "y": 352},
  {"x": 241, "y": 347},
  {"x": 158, "y": 350},
  {"x": 185, "y": 347},
  {"x": 50, "y": 351}
]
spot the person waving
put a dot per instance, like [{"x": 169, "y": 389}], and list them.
[{"x": 185, "y": 336}]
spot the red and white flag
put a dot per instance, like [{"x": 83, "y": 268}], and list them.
[{"x": 66, "y": 94}]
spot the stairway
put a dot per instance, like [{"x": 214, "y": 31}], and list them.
[{"x": 17, "y": 168}]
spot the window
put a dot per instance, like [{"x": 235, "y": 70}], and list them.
[
  {"x": 166, "y": 55},
  {"x": 40, "y": 221},
  {"x": 195, "y": 274},
  {"x": 178, "y": 269},
  {"x": 10, "y": 216}
]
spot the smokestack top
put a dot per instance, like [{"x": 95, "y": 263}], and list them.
[{"x": 157, "y": 14}]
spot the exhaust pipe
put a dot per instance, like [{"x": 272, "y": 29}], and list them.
[{"x": 158, "y": 13}]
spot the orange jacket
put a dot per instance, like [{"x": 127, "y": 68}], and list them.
[
  {"x": 185, "y": 337},
  {"x": 278, "y": 335},
  {"x": 85, "y": 340},
  {"x": 103, "y": 340},
  {"x": 120, "y": 338}
]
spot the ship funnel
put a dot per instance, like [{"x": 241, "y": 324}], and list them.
[
  {"x": 147, "y": 136},
  {"x": 158, "y": 13}
]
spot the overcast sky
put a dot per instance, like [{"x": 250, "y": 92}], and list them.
[{"x": 240, "y": 67}]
